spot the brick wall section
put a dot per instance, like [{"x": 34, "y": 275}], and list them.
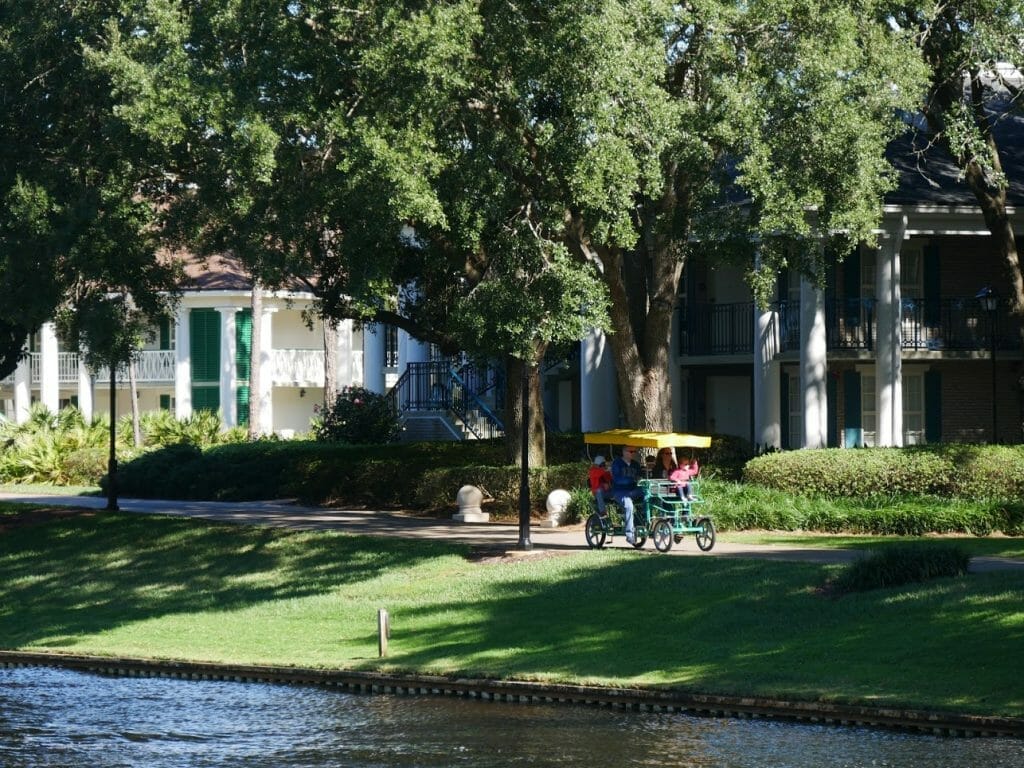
[{"x": 967, "y": 401}]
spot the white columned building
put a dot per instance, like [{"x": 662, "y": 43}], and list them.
[
  {"x": 373, "y": 358},
  {"x": 599, "y": 402},
  {"x": 228, "y": 349},
  {"x": 49, "y": 367},
  {"x": 767, "y": 380},
  {"x": 182, "y": 365},
  {"x": 889, "y": 339},
  {"x": 264, "y": 358},
  {"x": 411, "y": 350},
  {"x": 86, "y": 390},
  {"x": 23, "y": 389},
  {"x": 813, "y": 365},
  {"x": 345, "y": 361}
]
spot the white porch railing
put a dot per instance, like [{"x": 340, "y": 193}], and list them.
[
  {"x": 152, "y": 366},
  {"x": 292, "y": 367},
  {"x": 298, "y": 367}
]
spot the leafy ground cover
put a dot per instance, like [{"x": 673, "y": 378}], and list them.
[{"x": 118, "y": 584}]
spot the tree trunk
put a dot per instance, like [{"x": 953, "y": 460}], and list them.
[
  {"x": 133, "y": 390},
  {"x": 641, "y": 314},
  {"x": 331, "y": 383},
  {"x": 255, "y": 340},
  {"x": 514, "y": 413}
]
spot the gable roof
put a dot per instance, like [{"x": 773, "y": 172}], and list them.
[{"x": 928, "y": 174}]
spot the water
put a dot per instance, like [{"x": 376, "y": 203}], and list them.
[{"x": 53, "y": 717}]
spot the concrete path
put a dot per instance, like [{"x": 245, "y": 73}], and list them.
[{"x": 502, "y": 537}]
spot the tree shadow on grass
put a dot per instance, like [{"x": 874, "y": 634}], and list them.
[
  {"x": 90, "y": 573},
  {"x": 732, "y": 626}
]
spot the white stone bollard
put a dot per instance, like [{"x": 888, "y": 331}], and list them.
[
  {"x": 468, "y": 499},
  {"x": 557, "y": 502}
]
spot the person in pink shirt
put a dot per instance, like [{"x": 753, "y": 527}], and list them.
[{"x": 682, "y": 475}]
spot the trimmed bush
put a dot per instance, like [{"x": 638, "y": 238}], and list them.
[
  {"x": 968, "y": 471},
  {"x": 896, "y": 566},
  {"x": 581, "y": 505},
  {"x": 358, "y": 416}
]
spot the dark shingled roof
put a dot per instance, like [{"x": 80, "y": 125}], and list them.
[
  {"x": 217, "y": 273},
  {"x": 928, "y": 175}
]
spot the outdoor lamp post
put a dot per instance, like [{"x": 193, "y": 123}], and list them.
[{"x": 989, "y": 300}]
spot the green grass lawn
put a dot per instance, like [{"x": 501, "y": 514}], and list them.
[
  {"x": 989, "y": 546},
  {"x": 155, "y": 587}
]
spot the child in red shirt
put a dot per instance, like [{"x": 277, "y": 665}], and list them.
[{"x": 600, "y": 480}]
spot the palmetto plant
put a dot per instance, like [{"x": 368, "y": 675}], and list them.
[
  {"x": 54, "y": 447},
  {"x": 37, "y": 450}
]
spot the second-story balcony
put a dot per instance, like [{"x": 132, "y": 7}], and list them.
[
  {"x": 950, "y": 325},
  {"x": 291, "y": 367}
]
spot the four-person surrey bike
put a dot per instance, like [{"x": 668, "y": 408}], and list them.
[{"x": 660, "y": 512}]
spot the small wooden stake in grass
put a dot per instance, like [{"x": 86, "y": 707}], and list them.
[{"x": 383, "y": 632}]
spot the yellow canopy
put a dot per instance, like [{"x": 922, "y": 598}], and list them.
[{"x": 644, "y": 439}]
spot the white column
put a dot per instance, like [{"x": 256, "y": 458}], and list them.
[
  {"x": 265, "y": 357},
  {"x": 49, "y": 369},
  {"x": 599, "y": 402},
  {"x": 813, "y": 365},
  {"x": 889, "y": 336},
  {"x": 228, "y": 348},
  {"x": 346, "y": 374},
  {"x": 767, "y": 380},
  {"x": 182, "y": 365},
  {"x": 23, "y": 389},
  {"x": 411, "y": 350},
  {"x": 373, "y": 357},
  {"x": 86, "y": 393}
]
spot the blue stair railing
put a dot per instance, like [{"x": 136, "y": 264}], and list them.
[{"x": 437, "y": 386}]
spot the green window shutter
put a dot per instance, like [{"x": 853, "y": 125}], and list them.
[
  {"x": 243, "y": 344},
  {"x": 204, "y": 346},
  {"x": 165, "y": 334},
  {"x": 932, "y": 287},
  {"x": 205, "y": 398},
  {"x": 242, "y": 401},
  {"x": 165, "y": 402},
  {"x": 784, "y": 409},
  {"x": 854, "y": 431},
  {"x": 932, "y": 407}
]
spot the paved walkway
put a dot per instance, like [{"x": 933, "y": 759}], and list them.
[{"x": 496, "y": 536}]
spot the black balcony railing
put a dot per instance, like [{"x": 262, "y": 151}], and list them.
[
  {"x": 718, "y": 329},
  {"x": 852, "y": 324}
]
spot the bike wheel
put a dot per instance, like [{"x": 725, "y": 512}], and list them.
[
  {"x": 595, "y": 531},
  {"x": 640, "y": 537},
  {"x": 662, "y": 536},
  {"x": 706, "y": 534}
]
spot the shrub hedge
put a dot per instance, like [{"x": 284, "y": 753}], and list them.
[
  {"x": 902, "y": 565},
  {"x": 800, "y": 490},
  {"x": 981, "y": 472}
]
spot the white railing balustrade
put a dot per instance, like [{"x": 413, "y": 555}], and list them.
[
  {"x": 298, "y": 367},
  {"x": 67, "y": 367},
  {"x": 152, "y": 365}
]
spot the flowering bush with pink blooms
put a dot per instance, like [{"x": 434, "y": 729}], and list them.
[{"x": 357, "y": 416}]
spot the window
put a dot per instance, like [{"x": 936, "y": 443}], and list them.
[
  {"x": 911, "y": 283},
  {"x": 913, "y": 409},
  {"x": 868, "y": 409},
  {"x": 390, "y": 346},
  {"x": 796, "y": 413},
  {"x": 868, "y": 265}
]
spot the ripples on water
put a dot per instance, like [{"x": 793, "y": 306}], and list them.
[{"x": 53, "y": 717}]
